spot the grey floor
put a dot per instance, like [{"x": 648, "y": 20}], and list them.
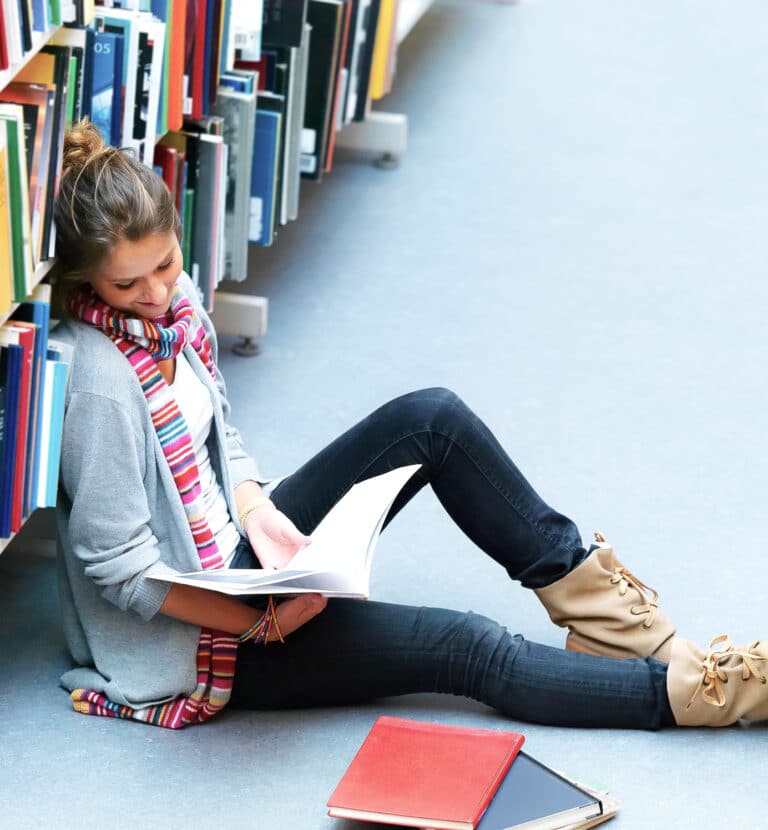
[{"x": 575, "y": 242}]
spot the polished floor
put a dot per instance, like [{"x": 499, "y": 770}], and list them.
[{"x": 575, "y": 243}]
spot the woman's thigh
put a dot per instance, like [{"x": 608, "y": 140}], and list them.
[{"x": 355, "y": 651}]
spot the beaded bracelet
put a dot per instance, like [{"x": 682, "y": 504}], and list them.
[{"x": 259, "y": 632}]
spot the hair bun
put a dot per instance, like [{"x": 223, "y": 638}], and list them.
[{"x": 82, "y": 143}]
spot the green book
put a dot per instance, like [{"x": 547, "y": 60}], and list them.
[
  {"x": 17, "y": 187},
  {"x": 54, "y": 12},
  {"x": 186, "y": 236}
]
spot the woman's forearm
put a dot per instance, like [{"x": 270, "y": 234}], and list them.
[
  {"x": 209, "y": 609},
  {"x": 245, "y": 492}
]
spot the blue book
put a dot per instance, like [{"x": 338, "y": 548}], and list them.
[
  {"x": 10, "y": 369},
  {"x": 240, "y": 82},
  {"x": 38, "y": 313},
  {"x": 40, "y": 15},
  {"x": 59, "y": 388},
  {"x": 266, "y": 152},
  {"x": 106, "y": 91}
]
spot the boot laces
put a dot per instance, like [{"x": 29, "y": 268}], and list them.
[
  {"x": 713, "y": 677},
  {"x": 623, "y": 577}
]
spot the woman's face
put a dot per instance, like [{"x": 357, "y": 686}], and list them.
[{"x": 138, "y": 277}]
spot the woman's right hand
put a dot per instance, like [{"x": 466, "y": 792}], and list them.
[{"x": 293, "y": 613}]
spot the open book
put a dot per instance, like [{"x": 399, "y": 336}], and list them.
[{"x": 338, "y": 561}]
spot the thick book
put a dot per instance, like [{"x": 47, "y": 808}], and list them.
[
  {"x": 264, "y": 175},
  {"x": 37, "y": 101},
  {"x": 534, "y": 797},
  {"x": 9, "y": 343},
  {"x": 283, "y": 22},
  {"x": 417, "y": 774},
  {"x": 6, "y": 249},
  {"x": 58, "y": 358},
  {"x": 24, "y": 336},
  {"x": 326, "y": 18},
  {"x": 238, "y": 109},
  {"x": 11, "y": 360},
  {"x": 338, "y": 560},
  {"x": 18, "y": 193},
  {"x": 37, "y": 313},
  {"x": 106, "y": 111}
]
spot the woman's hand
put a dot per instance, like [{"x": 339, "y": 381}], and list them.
[
  {"x": 293, "y": 613},
  {"x": 274, "y": 537}
]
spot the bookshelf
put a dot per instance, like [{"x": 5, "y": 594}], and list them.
[
  {"x": 39, "y": 39},
  {"x": 40, "y": 273},
  {"x": 241, "y": 314},
  {"x": 385, "y": 132}
]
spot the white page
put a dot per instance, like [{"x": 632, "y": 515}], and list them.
[
  {"x": 336, "y": 563},
  {"x": 342, "y": 540}
]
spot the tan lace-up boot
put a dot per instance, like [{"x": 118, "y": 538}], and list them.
[
  {"x": 720, "y": 687},
  {"x": 608, "y": 610}
]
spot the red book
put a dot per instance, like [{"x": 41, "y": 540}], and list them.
[
  {"x": 4, "y": 62},
  {"x": 424, "y": 774},
  {"x": 26, "y": 334},
  {"x": 165, "y": 159},
  {"x": 198, "y": 69}
]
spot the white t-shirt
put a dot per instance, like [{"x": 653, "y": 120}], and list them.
[{"x": 196, "y": 407}]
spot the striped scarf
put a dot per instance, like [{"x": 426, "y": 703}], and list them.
[{"x": 144, "y": 342}]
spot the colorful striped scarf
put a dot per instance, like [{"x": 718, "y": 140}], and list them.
[{"x": 143, "y": 342}]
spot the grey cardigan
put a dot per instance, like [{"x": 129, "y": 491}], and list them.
[{"x": 121, "y": 521}]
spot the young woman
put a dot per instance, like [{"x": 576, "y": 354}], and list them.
[{"x": 154, "y": 480}]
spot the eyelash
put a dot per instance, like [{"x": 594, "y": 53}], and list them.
[{"x": 164, "y": 267}]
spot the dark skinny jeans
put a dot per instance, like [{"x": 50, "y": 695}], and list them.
[{"x": 356, "y": 651}]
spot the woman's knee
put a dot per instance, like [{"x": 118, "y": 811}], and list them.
[{"x": 432, "y": 407}]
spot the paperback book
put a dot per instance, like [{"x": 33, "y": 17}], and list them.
[{"x": 338, "y": 560}]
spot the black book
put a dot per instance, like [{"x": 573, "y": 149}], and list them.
[
  {"x": 25, "y": 8},
  {"x": 534, "y": 797},
  {"x": 325, "y": 17},
  {"x": 283, "y": 22},
  {"x": 61, "y": 80},
  {"x": 365, "y": 60}
]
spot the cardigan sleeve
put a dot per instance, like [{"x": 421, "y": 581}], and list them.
[{"x": 102, "y": 471}]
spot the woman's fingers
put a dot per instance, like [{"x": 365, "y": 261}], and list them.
[{"x": 293, "y": 613}]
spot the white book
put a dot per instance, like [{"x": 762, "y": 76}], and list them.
[
  {"x": 41, "y": 499},
  {"x": 337, "y": 562}
]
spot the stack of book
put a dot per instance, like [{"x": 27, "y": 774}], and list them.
[
  {"x": 428, "y": 775},
  {"x": 33, "y": 377}
]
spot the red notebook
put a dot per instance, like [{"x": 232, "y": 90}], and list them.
[{"x": 424, "y": 774}]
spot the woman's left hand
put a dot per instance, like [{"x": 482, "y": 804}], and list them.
[{"x": 274, "y": 537}]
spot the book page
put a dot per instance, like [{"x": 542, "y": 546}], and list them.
[
  {"x": 345, "y": 538},
  {"x": 338, "y": 560}
]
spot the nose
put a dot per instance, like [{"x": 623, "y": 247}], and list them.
[{"x": 156, "y": 291}]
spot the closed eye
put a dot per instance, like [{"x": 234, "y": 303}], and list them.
[{"x": 166, "y": 265}]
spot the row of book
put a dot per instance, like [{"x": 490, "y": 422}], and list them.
[
  {"x": 24, "y": 21},
  {"x": 416, "y": 774},
  {"x": 233, "y": 116},
  {"x": 33, "y": 377}
]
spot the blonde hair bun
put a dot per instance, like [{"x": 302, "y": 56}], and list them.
[{"x": 83, "y": 143}]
